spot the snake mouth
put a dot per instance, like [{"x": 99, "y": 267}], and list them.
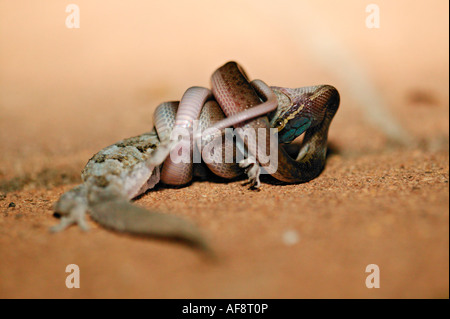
[{"x": 294, "y": 130}]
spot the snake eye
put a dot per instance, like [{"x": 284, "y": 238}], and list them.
[{"x": 279, "y": 124}]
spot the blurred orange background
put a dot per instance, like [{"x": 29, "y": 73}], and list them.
[{"x": 62, "y": 89}]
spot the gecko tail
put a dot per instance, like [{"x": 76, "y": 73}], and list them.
[
  {"x": 120, "y": 215},
  {"x": 117, "y": 213}
]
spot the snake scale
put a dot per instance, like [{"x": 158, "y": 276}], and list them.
[{"x": 128, "y": 168}]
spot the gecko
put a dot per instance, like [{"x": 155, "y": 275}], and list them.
[{"x": 117, "y": 174}]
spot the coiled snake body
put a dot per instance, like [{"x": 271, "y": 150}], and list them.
[{"x": 130, "y": 167}]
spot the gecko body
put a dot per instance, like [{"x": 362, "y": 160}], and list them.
[{"x": 111, "y": 178}]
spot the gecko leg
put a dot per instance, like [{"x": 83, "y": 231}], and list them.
[
  {"x": 73, "y": 207},
  {"x": 75, "y": 216},
  {"x": 253, "y": 171}
]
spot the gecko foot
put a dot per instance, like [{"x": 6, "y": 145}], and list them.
[
  {"x": 252, "y": 170},
  {"x": 76, "y": 216},
  {"x": 72, "y": 207}
]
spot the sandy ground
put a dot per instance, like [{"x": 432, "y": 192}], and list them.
[{"x": 383, "y": 198}]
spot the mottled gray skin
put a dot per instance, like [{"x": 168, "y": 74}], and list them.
[{"x": 111, "y": 178}]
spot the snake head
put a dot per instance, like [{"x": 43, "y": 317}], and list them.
[{"x": 298, "y": 110}]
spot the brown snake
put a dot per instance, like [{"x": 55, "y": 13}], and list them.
[{"x": 130, "y": 167}]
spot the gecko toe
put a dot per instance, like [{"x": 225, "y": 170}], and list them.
[
  {"x": 252, "y": 170},
  {"x": 75, "y": 215},
  {"x": 65, "y": 222}
]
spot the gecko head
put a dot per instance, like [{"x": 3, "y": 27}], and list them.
[
  {"x": 298, "y": 110},
  {"x": 291, "y": 119}
]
